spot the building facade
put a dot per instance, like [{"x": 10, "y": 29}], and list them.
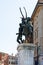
[
  {"x": 3, "y": 58},
  {"x": 12, "y": 60},
  {"x": 6, "y": 59},
  {"x": 37, "y": 19}
]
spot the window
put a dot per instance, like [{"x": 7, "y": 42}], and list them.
[
  {"x": 9, "y": 62},
  {"x": 12, "y": 62}
]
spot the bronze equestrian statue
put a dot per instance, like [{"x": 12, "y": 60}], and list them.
[{"x": 26, "y": 29}]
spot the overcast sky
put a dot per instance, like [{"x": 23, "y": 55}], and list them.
[{"x": 9, "y": 22}]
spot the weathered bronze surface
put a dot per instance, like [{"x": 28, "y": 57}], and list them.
[{"x": 26, "y": 29}]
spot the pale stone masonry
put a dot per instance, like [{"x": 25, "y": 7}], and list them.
[
  {"x": 26, "y": 54},
  {"x": 37, "y": 19}
]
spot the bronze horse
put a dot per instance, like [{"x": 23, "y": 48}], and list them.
[{"x": 26, "y": 29}]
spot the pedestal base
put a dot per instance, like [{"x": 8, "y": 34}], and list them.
[
  {"x": 26, "y": 54},
  {"x": 41, "y": 59}
]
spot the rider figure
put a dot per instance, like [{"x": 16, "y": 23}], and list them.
[{"x": 19, "y": 38}]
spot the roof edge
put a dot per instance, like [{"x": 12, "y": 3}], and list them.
[{"x": 36, "y": 7}]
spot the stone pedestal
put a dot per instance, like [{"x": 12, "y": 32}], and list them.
[
  {"x": 26, "y": 54},
  {"x": 41, "y": 59}
]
